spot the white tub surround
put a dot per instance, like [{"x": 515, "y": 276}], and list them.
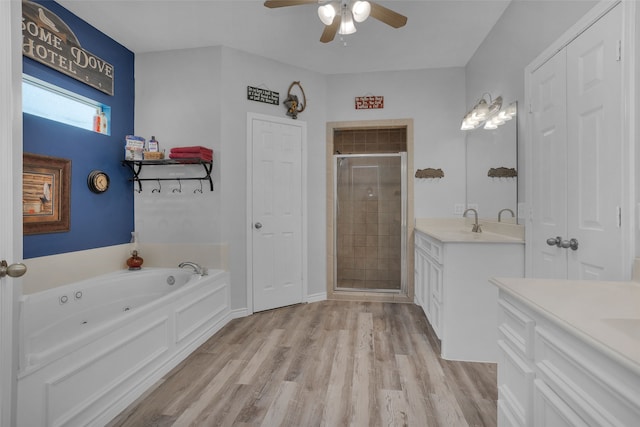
[
  {"x": 51, "y": 271},
  {"x": 89, "y": 349},
  {"x": 570, "y": 352},
  {"x": 452, "y": 271}
]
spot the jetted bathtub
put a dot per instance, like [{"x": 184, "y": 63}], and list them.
[{"x": 89, "y": 349}]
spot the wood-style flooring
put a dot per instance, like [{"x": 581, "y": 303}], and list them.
[{"x": 331, "y": 363}]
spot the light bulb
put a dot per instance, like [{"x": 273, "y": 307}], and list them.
[
  {"x": 361, "y": 10},
  {"x": 346, "y": 25},
  {"x": 326, "y": 13},
  {"x": 480, "y": 111}
]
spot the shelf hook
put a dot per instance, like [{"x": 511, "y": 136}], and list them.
[
  {"x": 198, "y": 190},
  {"x": 157, "y": 190},
  {"x": 178, "y": 190}
]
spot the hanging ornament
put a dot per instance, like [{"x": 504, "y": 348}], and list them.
[{"x": 293, "y": 105}]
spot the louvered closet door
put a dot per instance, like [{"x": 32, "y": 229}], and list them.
[{"x": 594, "y": 138}]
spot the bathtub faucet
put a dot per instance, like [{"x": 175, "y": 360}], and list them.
[{"x": 196, "y": 267}]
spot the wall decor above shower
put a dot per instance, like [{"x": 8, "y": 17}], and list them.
[
  {"x": 369, "y": 102},
  {"x": 429, "y": 173}
]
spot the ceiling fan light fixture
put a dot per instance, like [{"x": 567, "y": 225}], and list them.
[
  {"x": 346, "y": 25},
  {"x": 361, "y": 10},
  {"x": 326, "y": 13}
]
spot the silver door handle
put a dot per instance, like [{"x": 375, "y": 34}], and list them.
[
  {"x": 572, "y": 244},
  {"x": 257, "y": 225},
  {"x": 13, "y": 270},
  {"x": 551, "y": 241}
]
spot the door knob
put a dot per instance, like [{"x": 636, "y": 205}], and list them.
[
  {"x": 554, "y": 241},
  {"x": 572, "y": 244},
  {"x": 257, "y": 225},
  {"x": 13, "y": 270}
]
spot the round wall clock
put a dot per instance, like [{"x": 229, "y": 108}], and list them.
[{"x": 98, "y": 181}]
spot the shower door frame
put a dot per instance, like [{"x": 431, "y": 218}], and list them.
[{"x": 403, "y": 224}]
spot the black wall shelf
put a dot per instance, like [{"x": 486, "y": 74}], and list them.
[{"x": 136, "y": 167}]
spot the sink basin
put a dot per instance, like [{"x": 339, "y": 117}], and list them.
[{"x": 629, "y": 327}]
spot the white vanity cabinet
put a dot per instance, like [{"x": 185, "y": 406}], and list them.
[
  {"x": 552, "y": 373},
  {"x": 428, "y": 280},
  {"x": 452, "y": 287}
]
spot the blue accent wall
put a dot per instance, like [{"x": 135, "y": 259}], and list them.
[{"x": 97, "y": 220}]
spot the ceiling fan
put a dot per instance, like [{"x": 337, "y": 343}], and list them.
[{"x": 338, "y": 16}]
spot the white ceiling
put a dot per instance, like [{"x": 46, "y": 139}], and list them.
[{"x": 439, "y": 33}]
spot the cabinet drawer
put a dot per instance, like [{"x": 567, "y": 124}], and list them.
[
  {"x": 551, "y": 410},
  {"x": 593, "y": 386},
  {"x": 516, "y": 327},
  {"x": 430, "y": 246}
]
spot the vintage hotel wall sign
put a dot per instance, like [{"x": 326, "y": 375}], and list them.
[
  {"x": 369, "y": 102},
  {"x": 48, "y": 40}
]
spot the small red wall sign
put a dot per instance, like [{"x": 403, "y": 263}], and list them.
[{"x": 369, "y": 102}]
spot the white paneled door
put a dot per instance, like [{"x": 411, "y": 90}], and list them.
[
  {"x": 549, "y": 142},
  {"x": 594, "y": 137},
  {"x": 10, "y": 196},
  {"x": 277, "y": 147},
  {"x": 577, "y": 151}
]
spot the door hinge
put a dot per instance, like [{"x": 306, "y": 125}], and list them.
[
  {"x": 619, "y": 217},
  {"x": 619, "y": 57}
]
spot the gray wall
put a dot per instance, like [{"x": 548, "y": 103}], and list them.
[
  {"x": 198, "y": 97},
  {"x": 524, "y": 30}
]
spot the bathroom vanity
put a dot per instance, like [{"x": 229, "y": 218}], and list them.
[
  {"x": 453, "y": 266},
  {"x": 569, "y": 353}
]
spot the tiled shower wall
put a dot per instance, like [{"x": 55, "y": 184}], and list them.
[
  {"x": 361, "y": 141},
  {"x": 369, "y": 209}
]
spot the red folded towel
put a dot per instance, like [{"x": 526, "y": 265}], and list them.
[
  {"x": 194, "y": 149},
  {"x": 195, "y": 155}
]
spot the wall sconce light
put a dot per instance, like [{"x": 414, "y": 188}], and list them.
[{"x": 490, "y": 114}]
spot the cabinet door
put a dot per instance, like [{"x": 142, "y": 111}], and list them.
[
  {"x": 419, "y": 276},
  {"x": 594, "y": 141},
  {"x": 549, "y": 152}
]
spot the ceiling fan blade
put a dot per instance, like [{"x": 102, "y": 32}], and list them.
[
  {"x": 330, "y": 31},
  {"x": 387, "y": 16},
  {"x": 285, "y": 3}
]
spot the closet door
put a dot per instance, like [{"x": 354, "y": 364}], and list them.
[
  {"x": 594, "y": 140},
  {"x": 577, "y": 159},
  {"x": 549, "y": 151}
]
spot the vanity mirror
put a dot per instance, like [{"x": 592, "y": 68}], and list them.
[{"x": 493, "y": 152}]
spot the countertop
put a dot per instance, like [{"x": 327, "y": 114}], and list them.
[
  {"x": 604, "y": 314},
  {"x": 456, "y": 230}
]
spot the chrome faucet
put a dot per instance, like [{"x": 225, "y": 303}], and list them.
[
  {"x": 476, "y": 227},
  {"x": 197, "y": 269},
  {"x": 508, "y": 210}
]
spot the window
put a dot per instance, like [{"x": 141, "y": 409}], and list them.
[{"x": 54, "y": 103}]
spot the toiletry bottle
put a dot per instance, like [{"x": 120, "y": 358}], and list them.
[
  {"x": 153, "y": 145},
  {"x": 104, "y": 124},
  {"x": 97, "y": 126}
]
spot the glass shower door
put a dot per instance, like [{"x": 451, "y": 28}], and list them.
[{"x": 370, "y": 222}]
